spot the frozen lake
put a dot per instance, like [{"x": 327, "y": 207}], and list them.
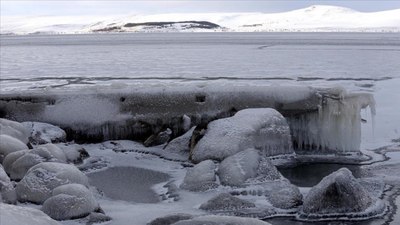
[{"x": 57, "y": 60}]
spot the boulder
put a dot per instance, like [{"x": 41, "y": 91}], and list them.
[
  {"x": 264, "y": 129},
  {"x": 226, "y": 202},
  {"x": 337, "y": 193},
  {"x": 39, "y": 182},
  {"x": 170, "y": 219},
  {"x": 236, "y": 169},
  {"x": 201, "y": 177},
  {"x": 14, "y": 129},
  {"x": 284, "y": 195},
  {"x": 7, "y": 190},
  {"x": 43, "y": 133},
  {"x": 70, "y": 201},
  {"x": 180, "y": 144},
  {"x": 10, "y": 159},
  {"x": 13, "y": 215},
  {"x": 221, "y": 220},
  {"x": 10, "y": 144}
]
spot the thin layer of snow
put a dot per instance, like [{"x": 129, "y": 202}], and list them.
[
  {"x": 201, "y": 177},
  {"x": 42, "y": 133},
  {"x": 8, "y": 145},
  {"x": 14, "y": 129}
]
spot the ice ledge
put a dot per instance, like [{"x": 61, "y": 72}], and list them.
[{"x": 323, "y": 120}]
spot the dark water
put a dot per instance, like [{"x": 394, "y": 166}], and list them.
[
  {"x": 128, "y": 183},
  {"x": 308, "y": 175}
]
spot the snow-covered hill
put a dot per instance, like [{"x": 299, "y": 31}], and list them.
[{"x": 310, "y": 19}]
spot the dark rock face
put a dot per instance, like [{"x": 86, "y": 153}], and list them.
[
  {"x": 338, "y": 193},
  {"x": 192, "y": 24},
  {"x": 226, "y": 201}
]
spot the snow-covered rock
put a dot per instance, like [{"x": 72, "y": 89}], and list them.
[
  {"x": 170, "y": 219},
  {"x": 201, "y": 177},
  {"x": 14, "y": 129},
  {"x": 338, "y": 194},
  {"x": 17, "y": 215},
  {"x": 95, "y": 217},
  {"x": 70, "y": 201},
  {"x": 238, "y": 168},
  {"x": 221, "y": 220},
  {"x": 43, "y": 153},
  {"x": 42, "y": 133},
  {"x": 264, "y": 129},
  {"x": 180, "y": 144},
  {"x": 226, "y": 201},
  {"x": 284, "y": 195},
  {"x": 10, "y": 144},
  {"x": 38, "y": 184},
  {"x": 74, "y": 152},
  {"x": 7, "y": 190},
  {"x": 10, "y": 159}
]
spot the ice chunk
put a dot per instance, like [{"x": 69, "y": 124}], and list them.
[
  {"x": 14, "y": 129},
  {"x": 38, "y": 184},
  {"x": 221, "y": 220},
  {"x": 70, "y": 201},
  {"x": 42, "y": 133},
  {"x": 236, "y": 169},
  {"x": 13, "y": 215},
  {"x": 9, "y": 144},
  {"x": 226, "y": 202},
  {"x": 264, "y": 129},
  {"x": 339, "y": 194},
  {"x": 7, "y": 191},
  {"x": 201, "y": 177}
]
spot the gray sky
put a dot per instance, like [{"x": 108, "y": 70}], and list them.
[{"x": 67, "y": 8}]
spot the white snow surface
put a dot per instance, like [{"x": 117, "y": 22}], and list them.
[
  {"x": 264, "y": 129},
  {"x": 13, "y": 215},
  {"x": 42, "y": 133},
  {"x": 313, "y": 18}
]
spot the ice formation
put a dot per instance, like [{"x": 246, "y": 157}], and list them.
[
  {"x": 8, "y": 145},
  {"x": 7, "y": 191},
  {"x": 70, "y": 201},
  {"x": 336, "y": 127},
  {"x": 201, "y": 177},
  {"x": 225, "y": 202},
  {"x": 13, "y": 215},
  {"x": 14, "y": 129},
  {"x": 340, "y": 195},
  {"x": 42, "y": 133},
  {"x": 250, "y": 163},
  {"x": 264, "y": 129},
  {"x": 38, "y": 184}
]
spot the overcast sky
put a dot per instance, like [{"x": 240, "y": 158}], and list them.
[{"x": 67, "y": 8}]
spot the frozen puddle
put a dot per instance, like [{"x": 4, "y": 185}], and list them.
[
  {"x": 308, "y": 175},
  {"x": 128, "y": 183}
]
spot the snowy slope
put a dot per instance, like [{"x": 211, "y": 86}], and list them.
[{"x": 313, "y": 18}]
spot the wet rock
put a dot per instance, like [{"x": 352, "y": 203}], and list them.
[
  {"x": 43, "y": 133},
  {"x": 201, "y": 177},
  {"x": 158, "y": 139},
  {"x": 226, "y": 202},
  {"x": 170, "y": 219},
  {"x": 337, "y": 193},
  {"x": 70, "y": 201},
  {"x": 264, "y": 129},
  {"x": 38, "y": 184},
  {"x": 17, "y": 215},
  {"x": 236, "y": 169},
  {"x": 10, "y": 144}
]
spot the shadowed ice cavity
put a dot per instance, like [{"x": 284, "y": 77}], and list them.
[{"x": 128, "y": 183}]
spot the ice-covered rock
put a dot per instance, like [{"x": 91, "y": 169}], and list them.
[
  {"x": 44, "y": 153},
  {"x": 38, "y": 184},
  {"x": 74, "y": 152},
  {"x": 264, "y": 129},
  {"x": 17, "y": 215},
  {"x": 170, "y": 219},
  {"x": 201, "y": 177},
  {"x": 337, "y": 194},
  {"x": 221, "y": 220},
  {"x": 95, "y": 217},
  {"x": 14, "y": 129},
  {"x": 226, "y": 202},
  {"x": 70, "y": 201},
  {"x": 180, "y": 144},
  {"x": 158, "y": 139},
  {"x": 43, "y": 133},
  {"x": 7, "y": 190},
  {"x": 238, "y": 168},
  {"x": 10, "y": 144},
  {"x": 10, "y": 159},
  {"x": 284, "y": 195}
]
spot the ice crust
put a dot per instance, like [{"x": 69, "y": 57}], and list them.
[
  {"x": 13, "y": 215},
  {"x": 264, "y": 129},
  {"x": 42, "y": 133},
  {"x": 70, "y": 201},
  {"x": 38, "y": 184},
  {"x": 226, "y": 202}
]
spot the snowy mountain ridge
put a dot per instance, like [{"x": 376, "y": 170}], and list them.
[{"x": 316, "y": 18}]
